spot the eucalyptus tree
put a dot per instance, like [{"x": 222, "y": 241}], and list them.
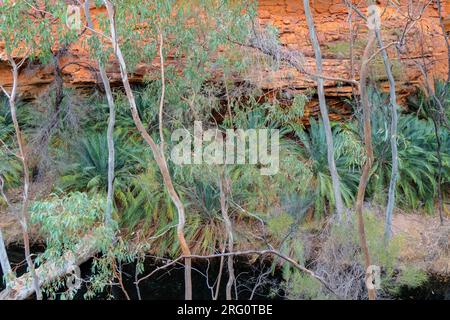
[
  {"x": 324, "y": 111},
  {"x": 175, "y": 28},
  {"x": 366, "y": 171},
  {"x": 437, "y": 109},
  {"x": 4, "y": 261},
  {"x": 224, "y": 187},
  {"x": 65, "y": 24},
  {"x": 113, "y": 13},
  {"x": 19, "y": 34},
  {"x": 26, "y": 32},
  {"x": 95, "y": 46},
  {"x": 393, "y": 135}
]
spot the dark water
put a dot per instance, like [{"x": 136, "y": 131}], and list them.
[
  {"x": 168, "y": 284},
  {"x": 436, "y": 288}
]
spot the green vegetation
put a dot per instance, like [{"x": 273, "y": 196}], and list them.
[{"x": 290, "y": 214}]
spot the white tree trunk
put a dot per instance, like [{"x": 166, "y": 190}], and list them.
[
  {"x": 4, "y": 261},
  {"x": 22, "y": 288},
  {"x": 23, "y": 156},
  {"x": 365, "y": 175},
  {"x": 324, "y": 112},
  {"x": 157, "y": 153},
  {"x": 224, "y": 191},
  {"x": 393, "y": 137},
  {"x": 111, "y": 124}
]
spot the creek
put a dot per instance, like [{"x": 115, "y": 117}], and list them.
[{"x": 168, "y": 283}]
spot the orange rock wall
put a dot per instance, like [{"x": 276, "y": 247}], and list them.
[
  {"x": 332, "y": 22},
  {"x": 331, "y": 18}
]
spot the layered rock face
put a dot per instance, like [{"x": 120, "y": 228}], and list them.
[{"x": 424, "y": 44}]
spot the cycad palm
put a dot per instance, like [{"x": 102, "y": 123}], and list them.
[{"x": 315, "y": 151}]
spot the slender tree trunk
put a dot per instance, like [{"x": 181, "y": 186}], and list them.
[
  {"x": 393, "y": 137},
  {"x": 444, "y": 33},
  {"x": 219, "y": 277},
  {"x": 159, "y": 157},
  {"x": 26, "y": 179},
  {"x": 441, "y": 116},
  {"x": 111, "y": 148},
  {"x": 111, "y": 124},
  {"x": 224, "y": 191},
  {"x": 324, "y": 112},
  {"x": 438, "y": 118},
  {"x": 59, "y": 83},
  {"x": 21, "y": 288},
  {"x": 366, "y": 108},
  {"x": 439, "y": 157},
  {"x": 4, "y": 261}
]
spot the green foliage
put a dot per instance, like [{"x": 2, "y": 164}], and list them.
[
  {"x": 418, "y": 163},
  {"x": 305, "y": 287},
  {"x": 89, "y": 167},
  {"x": 64, "y": 220},
  {"x": 26, "y": 32},
  {"x": 341, "y": 262},
  {"x": 189, "y": 95},
  {"x": 281, "y": 202},
  {"x": 411, "y": 277},
  {"x": 144, "y": 199},
  {"x": 291, "y": 114},
  {"x": 10, "y": 166},
  {"x": 6, "y": 124},
  {"x": 18, "y": 31},
  {"x": 382, "y": 254},
  {"x": 104, "y": 269},
  {"x": 279, "y": 224},
  {"x": 427, "y": 107},
  {"x": 314, "y": 152},
  {"x": 10, "y": 169},
  {"x": 193, "y": 43}
]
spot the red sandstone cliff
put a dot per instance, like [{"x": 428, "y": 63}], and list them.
[{"x": 331, "y": 18}]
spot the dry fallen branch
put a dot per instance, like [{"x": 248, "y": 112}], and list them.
[{"x": 22, "y": 287}]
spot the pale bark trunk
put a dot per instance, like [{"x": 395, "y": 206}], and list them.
[
  {"x": 159, "y": 157},
  {"x": 224, "y": 190},
  {"x": 441, "y": 116},
  {"x": 438, "y": 118},
  {"x": 4, "y": 261},
  {"x": 366, "y": 108},
  {"x": 26, "y": 178},
  {"x": 393, "y": 137},
  {"x": 439, "y": 177},
  {"x": 22, "y": 288},
  {"x": 324, "y": 112},
  {"x": 219, "y": 277},
  {"x": 110, "y": 132},
  {"x": 111, "y": 157},
  {"x": 111, "y": 150}
]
